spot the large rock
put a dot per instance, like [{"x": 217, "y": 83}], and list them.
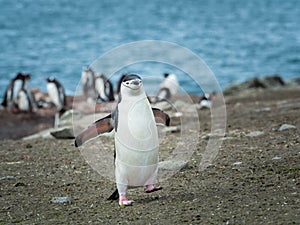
[
  {"x": 63, "y": 133},
  {"x": 294, "y": 81},
  {"x": 273, "y": 81},
  {"x": 265, "y": 82}
]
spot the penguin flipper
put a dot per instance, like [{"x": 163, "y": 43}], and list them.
[
  {"x": 98, "y": 127},
  {"x": 161, "y": 117}
]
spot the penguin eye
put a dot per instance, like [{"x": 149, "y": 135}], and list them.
[{"x": 127, "y": 82}]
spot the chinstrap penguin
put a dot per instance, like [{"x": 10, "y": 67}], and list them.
[
  {"x": 168, "y": 87},
  {"x": 104, "y": 89},
  {"x": 136, "y": 138},
  {"x": 88, "y": 82},
  {"x": 58, "y": 98}
]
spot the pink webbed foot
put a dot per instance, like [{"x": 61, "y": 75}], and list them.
[
  {"x": 123, "y": 201},
  {"x": 151, "y": 188}
]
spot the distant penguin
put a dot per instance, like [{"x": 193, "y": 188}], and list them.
[
  {"x": 88, "y": 82},
  {"x": 136, "y": 138},
  {"x": 168, "y": 87},
  {"x": 12, "y": 90},
  {"x": 104, "y": 89},
  {"x": 206, "y": 100},
  {"x": 57, "y": 95},
  {"x": 24, "y": 101},
  {"x": 11, "y": 99}
]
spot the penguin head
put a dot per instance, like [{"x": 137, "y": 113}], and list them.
[
  {"x": 19, "y": 76},
  {"x": 50, "y": 79},
  {"x": 132, "y": 81}
]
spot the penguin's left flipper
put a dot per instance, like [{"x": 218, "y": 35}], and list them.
[
  {"x": 161, "y": 117},
  {"x": 98, "y": 127}
]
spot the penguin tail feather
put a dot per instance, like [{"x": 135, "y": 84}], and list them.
[{"x": 114, "y": 196}]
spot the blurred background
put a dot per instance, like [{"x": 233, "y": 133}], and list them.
[{"x": 237, "y": 39}]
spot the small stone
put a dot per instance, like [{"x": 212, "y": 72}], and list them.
[
  {"x": 237, "y": 163},
  {"x": 286, "y": 127},
  {"x": 8, "y": 178},
  {"x": 276, "y": 158},
  {"x": 20, "y": 184},
  {"x": 255, "y": 134},
  {"x": 172, "y": 129},
  {"x": 28, "y": 146},
  {"x": 61, "y": 200},
  {"x": 177, "y": 114},
  {"x": 265, "y": 109}
]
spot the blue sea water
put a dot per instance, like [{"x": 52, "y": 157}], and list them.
[{"x": 237, "y": 39}]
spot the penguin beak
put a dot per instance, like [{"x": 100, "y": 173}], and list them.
[{"x": 136, "y": 82}]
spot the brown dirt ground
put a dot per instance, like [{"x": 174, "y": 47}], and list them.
[{"x": 263, "y": 189}]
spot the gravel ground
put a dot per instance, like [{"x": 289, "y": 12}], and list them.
[{"x": 254, "y": 179}]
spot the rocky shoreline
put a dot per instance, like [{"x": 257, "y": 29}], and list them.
[{"x": 18, "y": 125}]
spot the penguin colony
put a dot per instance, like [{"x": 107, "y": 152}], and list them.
[{"x": 19, "y": 98}]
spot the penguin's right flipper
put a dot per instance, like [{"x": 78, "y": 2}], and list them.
[
  {"x": 98, "y": 127},
  {"x": 114, "y": 196}
]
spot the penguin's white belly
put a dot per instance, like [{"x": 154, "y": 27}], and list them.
[
  {"x": 23, "y": 101},
  {"x": 53, "y": 94},
  {"x": 136, "y": 143},
  {"x": 16, "y": 89},
  {"x": 100, "y": 87}
]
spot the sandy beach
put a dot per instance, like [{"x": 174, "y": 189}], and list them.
[{"x": 254, "y": 179}]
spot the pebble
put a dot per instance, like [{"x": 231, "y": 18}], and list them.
[
  {"x": 237, "y": 163},
  {"x": 276, "y": 158},
  {"x": 286, "y": 127},
  {"x": 20, "y": 184},
  {"x": 172, "y": 129},
  {"x": 61, "y": 200},
  {"x": 8, "y": 178},
  {"x": 255, "y": 134},
  {"x": 265, "y": 109}
]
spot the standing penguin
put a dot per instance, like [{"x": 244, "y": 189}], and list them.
[
  {"x": 104, "y": 89},
  {"x": 57, "y": 95},
  {"x": 136, "y": 138},
  {"x": 206, "y": 100},
  {"x": 11, "y": 94},
  {"x": 25, "y": 101},
  {"x": 88, "y": 82},
  {"x": 168, "y": 87}
]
